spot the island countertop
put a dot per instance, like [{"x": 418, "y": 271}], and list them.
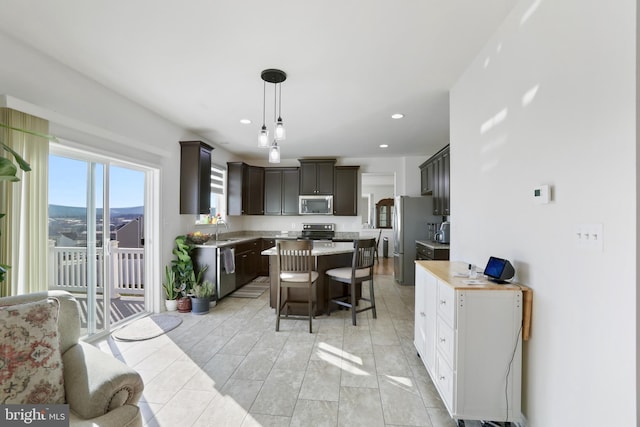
[{"x": 320, "y": 248}]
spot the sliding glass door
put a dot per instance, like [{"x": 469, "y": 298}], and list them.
[{"x": 96, "y": 236}]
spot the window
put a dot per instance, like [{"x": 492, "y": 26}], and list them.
[{"x": 218, "y": 184}]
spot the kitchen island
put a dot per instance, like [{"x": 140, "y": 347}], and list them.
[{"x": 327, "y": 255}]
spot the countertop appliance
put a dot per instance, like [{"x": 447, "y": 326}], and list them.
[
  {"x": 410, "y": 218},
  {"x": 318, "y": 231},
  {"x": 315, "y": 205},
  {"x": 444, "y": 234}
]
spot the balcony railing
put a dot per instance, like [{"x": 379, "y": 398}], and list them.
[{"x": 68, "y": 269}]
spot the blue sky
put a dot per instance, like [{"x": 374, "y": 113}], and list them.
[{"x": 68, "y": 184}]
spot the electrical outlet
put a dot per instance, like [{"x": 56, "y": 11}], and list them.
[{"x": 589, "y": 236}]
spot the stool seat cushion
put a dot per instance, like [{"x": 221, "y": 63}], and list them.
[
  {"x": 345, "y": 272},
  {"x": 288, "y": 276}
]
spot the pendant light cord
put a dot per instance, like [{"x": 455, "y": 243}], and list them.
[{"x": 264, "y": 101}]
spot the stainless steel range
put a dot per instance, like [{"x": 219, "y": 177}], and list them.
[{"x": 318, "y": 231}]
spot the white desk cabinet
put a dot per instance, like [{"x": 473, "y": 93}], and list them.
[{"x": 469, "y": 338}]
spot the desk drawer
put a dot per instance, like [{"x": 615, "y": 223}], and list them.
[
  {"x": 446, "y": 303},
  {"x": 445, "y": 340},
  {"x": 444, "y": 381}
]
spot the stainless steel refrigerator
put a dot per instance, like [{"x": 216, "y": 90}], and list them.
[{"x": 411, "y": 216}]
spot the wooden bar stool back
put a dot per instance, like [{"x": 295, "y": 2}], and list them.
[
  {"x": 361, "y": 270},
  {"x": 295, "y": 266}
]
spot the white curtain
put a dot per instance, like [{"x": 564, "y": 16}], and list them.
[{"x": 24, "y": 240}]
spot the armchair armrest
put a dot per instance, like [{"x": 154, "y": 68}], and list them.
[{"x": 96, "y": 382}]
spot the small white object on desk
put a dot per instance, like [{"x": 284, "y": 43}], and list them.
[{"x": 474, "y": 282}]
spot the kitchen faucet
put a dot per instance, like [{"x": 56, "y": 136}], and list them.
[{"x": 218, "y": 223}]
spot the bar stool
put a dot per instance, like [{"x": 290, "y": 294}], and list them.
[
  {"x": 295, "y": 270},
  {"x": 361, "y": 270}
]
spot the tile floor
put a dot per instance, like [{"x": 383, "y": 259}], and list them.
[{"x": 230, "y": 368}]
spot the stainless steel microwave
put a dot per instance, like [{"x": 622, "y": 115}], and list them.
[{"x": 315, "y": 205}]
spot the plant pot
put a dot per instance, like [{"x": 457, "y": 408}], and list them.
[
  {"x": 200, "y": 305},
  {"x": 171, "y": 304},
  {"x": 184, "y": 305}
]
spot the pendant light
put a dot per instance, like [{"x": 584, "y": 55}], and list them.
[
  {"x": 276, "y": 77},
  {"x": 274, "y": 153},
  {"x": 263, "y": 138},
  {"x": 280, "y": 133}
]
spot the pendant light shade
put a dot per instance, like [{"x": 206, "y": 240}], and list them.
[
  {"x": 280, "y": 132},
  {"x": 263, "y": 138},
  {"x": 274, "y": 153},
  {"x": 276, "y": 77}
]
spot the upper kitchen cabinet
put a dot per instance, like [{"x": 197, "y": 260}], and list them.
[
  {"x": 195, "y": 177},
  {"x": 281, "y": 186},
  {"x": 245, "y": 189},
  {"x": 345, "y": 190},
  {"x": 316, "y": 176},
  {"x": 434, "y": 180}
]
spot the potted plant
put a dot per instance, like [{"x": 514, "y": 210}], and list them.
[
  {"x": 182, "y": 266},
  {"x": 201, "y": 297},
  {"x": 170, "y": 290}
]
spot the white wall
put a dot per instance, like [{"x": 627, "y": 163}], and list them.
[{"x": 551, "y": 100}]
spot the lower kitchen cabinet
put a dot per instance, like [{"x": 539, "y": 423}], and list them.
[
  {"x": 469, "y": 338},
  {"x": 247, "y": 260}
]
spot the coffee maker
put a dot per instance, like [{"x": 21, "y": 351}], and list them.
[{"x": 444, "y": 234}]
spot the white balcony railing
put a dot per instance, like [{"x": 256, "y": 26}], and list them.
[{"x": 68, "y": 269}]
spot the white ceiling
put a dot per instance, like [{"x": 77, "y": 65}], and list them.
[{"x": 350, "y": 64}]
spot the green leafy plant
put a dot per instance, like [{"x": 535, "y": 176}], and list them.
[
  {"x": 169, "y": 285},
  {"x": 182, "y": 265},
  {"x": 204, "y": 290}
]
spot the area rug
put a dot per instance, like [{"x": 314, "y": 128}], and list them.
[
  {"x": 253, "y": 289},
  {"x": 148, "y": 327}
]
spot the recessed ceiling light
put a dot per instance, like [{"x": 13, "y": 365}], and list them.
[
  {"x": 397, "y": 116},
  {"x": 245, "y": 121},
  {"x": 384, "y": 145}
]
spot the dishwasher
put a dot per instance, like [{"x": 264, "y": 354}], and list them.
[{"x": 226, "y": 271}]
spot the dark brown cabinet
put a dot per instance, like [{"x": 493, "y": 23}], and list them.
[
  {"x": 434, "y": 180},
  {"x": 195, "y": 177},
  {"x": 384, "y": 213},
  {"x": 245, "y": 189},
  {"x": 316, "y": 176},
  {"x": 281, "y": 189},
  {"x": 247, "y": 260},
  {"x": 345, "y": 190},
  {"x": 264, "y": 260}
]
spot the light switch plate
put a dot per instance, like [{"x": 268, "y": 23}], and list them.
[{"x": 589, "y": 236}]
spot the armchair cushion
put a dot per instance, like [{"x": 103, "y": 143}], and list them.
[
  {"x": 96, "y": 382},
  {"x": 30, "y": 359}
]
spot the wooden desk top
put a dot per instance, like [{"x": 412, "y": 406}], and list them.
[{"x": 454, "y": 274}]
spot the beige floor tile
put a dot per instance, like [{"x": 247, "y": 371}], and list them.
[
  {"x": 316, "y": 413},
  {"x": 262, "y": 420},
  {"x": 390, "y": 360},
  {"x": 358, "y": 342},
  {"x": 321, "y": 382},
  {"x": 183, "y": 409},
  {"x": 232, "y": 407},
  {"x": 279, "y": 393},
  {"x": 440, "y": 418},
  {"x": 257, "y": 364},
  {"x": 401, "y": 401},
  {"x": 360, "y": 407},
  {"x": 359, "y": 371}
]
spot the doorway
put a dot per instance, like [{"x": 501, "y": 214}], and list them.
[{"x": 97, "y": 236}]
